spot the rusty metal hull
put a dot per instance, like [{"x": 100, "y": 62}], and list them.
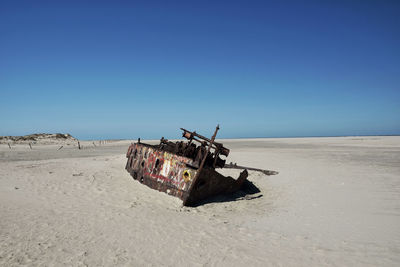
[{"x": 177, "y": 175}]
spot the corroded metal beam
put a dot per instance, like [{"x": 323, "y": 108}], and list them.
[{"x": 235, "y": 166}]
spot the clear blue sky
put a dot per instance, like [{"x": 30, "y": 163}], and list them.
[{"x": 124, "y": 69}]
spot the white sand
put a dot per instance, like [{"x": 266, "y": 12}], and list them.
[{"x": 336, "y": 201}]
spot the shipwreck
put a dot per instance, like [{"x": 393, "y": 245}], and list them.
[{"x": 185, "y": 169}]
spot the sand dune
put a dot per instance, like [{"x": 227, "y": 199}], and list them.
[
  {"x": 42, "y": 138},
  {"x": 336, "y": 201}
]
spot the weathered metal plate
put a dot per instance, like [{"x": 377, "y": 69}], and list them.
[{"x": 160, "y": 170}]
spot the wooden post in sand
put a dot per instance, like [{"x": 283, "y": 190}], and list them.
[
  {"x": 9, "y": 145},
  {"x": 79, "y": 145},
  {"x": 94, "y": 144},
  {"x": 30, "y": 145}
]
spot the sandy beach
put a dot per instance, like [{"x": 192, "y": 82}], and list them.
[{"x": 335, "y": 201}]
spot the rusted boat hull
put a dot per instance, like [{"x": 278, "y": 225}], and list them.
[{"x": 177, "y": 175}]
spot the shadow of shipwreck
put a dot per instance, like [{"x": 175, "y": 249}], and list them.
[{"x": 248, "y": 191}]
